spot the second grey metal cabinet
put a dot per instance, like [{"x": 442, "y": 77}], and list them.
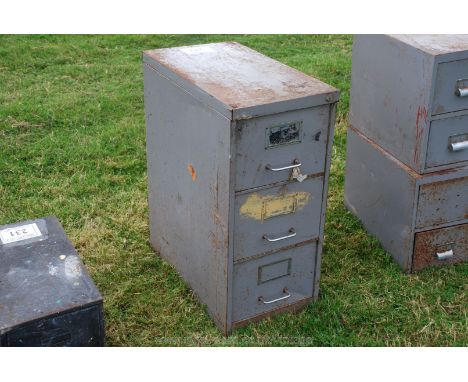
[
  {"x": 420, "y": 219},
  {"x": 238, "y": 149},
  {"x": 409, "y": 93},
  {"x": 407, "y": 149}
]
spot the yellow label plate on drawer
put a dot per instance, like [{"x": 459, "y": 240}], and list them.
[{"x": 260, "y": 207}]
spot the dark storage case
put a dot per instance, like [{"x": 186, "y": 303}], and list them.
[{"x": 46, "y": 295}]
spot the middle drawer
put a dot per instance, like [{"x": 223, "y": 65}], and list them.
[{"x": 276, "y": 217}]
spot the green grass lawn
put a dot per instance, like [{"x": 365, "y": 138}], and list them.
[{"x": 72, "y": 144}]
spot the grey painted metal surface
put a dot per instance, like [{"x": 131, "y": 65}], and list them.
[
  {"x": 188, "y": 147},
  {"x": 450, "y": 45},
  {"x": 46, "y": 295},
  {"x": 395, "y": 203},
  {"x": 442, "y": 202},
  {"x": 451, "y": 84},
  {"x": 400, "y": 85},
  {"x": 444, "y": 133},
  {"x": 273, "y": 281},
  {"x": 267, "y": 143},
  {"x": 406, "y": 176},
  {"x": 292, "y": 208},
  {"x": 238, "y": 81},
  {"x": 216, "y": 116},
  {"x": 382, "y": 193}
]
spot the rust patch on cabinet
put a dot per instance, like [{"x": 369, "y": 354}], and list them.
[
  {"x": 440, "y": 187},
  {"x": 444, "y": 172},
  {"x": 428, "y": 243},
  {"x": 219, "y": 237},
  {"x": 421, "y": 119},
  {"x": 192, "y": 172},
  {"x": 215, "y": 243}
]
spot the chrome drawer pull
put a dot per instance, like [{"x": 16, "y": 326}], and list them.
[
  {"x": 444, "y": 255},
  {"x": 458, "y": 146},
  {"x": 276, "y": 299},
  {"x": 292, "y": 234},
  {"x": 296, "y": 164},
  {"x": 462, "y": 92}
]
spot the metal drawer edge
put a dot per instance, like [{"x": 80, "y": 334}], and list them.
[{"x": 268, "y": 253}]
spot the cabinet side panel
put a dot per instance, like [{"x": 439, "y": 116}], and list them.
[
  {"x": 382, "y": 195},
  {"x": 188, "y": 149},
  {"x": 320, "y": 243},
  {"x": 390, "y": 95}
]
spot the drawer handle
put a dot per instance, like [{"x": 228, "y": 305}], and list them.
[
  {"x": 292, "y": 234},
  {"x": 444, "y": 255},
  {"x": 458, "y": 146},
  {"x": 276, "y": 299},
  {"x": 296, "y": 164},
  {"x": 461, "y": 92},
  {"x": 461, "y": 89}
]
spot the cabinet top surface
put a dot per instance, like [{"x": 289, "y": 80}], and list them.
[
  {"x": 42, "y": 275},
  {"x": 436, "y": 44},
  {"x": 236, "y": 75}
]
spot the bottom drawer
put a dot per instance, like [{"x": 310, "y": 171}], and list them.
[
  {"x": 273, "y": 282},
  {"x": 440, "y": 246}
]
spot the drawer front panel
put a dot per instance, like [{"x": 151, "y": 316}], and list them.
[
  {"x": 442, "y": 202},
  {"x": 277, "y": 217},
  {"x": 274, "y": 281},
  {"x": 268, "y": 146},
  {"x": 441, "y": 246},
  {"x": 451, "y": 87},
  {"x": 448, "y": 141}
]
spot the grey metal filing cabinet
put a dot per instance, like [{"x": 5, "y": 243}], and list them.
[
  {"x": 238, "y": 149},
  {"x": 407, "y": 151}
]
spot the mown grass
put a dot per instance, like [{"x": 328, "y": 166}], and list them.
[{"x": 72, "y": 144}]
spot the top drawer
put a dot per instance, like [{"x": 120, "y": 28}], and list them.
[
  {"x": 269, "y": 147},
  {"x": 451, "y": 87}
]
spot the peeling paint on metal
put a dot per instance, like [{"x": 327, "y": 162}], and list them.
[
  {"x": 53, "y": 270},
  {"x": 72, "y": 267},
  {"x": 260, "y": 207}
]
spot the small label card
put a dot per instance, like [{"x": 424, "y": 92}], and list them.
[{"x": 22, "y": 232}]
